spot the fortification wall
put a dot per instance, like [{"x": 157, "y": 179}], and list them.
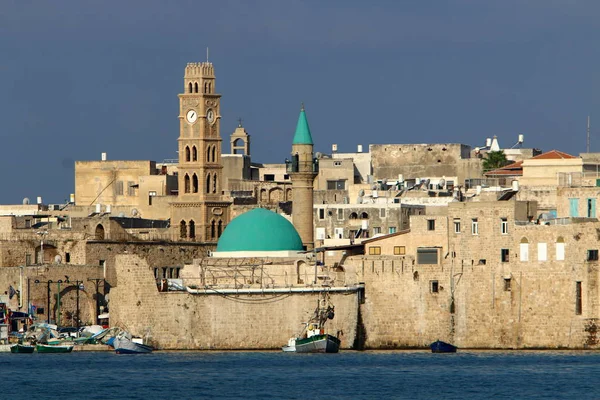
[
  {"x": 495, "y": 306},
  {"x": 178, "y": 320}
]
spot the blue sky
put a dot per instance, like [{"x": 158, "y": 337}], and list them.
[{"x": 80, "y": 77}]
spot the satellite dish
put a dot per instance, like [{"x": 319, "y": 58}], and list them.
[
  {"x": 134, "y": 212},
  {"x": 26, "y": 201}
]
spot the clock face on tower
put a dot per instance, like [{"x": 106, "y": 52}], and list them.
[
  {"x": 210, "y": 116},
  {"x": 191, "y": 116}
]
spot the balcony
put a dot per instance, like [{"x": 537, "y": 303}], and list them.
[{"x": 301, "y": 166}]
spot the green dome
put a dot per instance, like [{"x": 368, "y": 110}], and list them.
[{"x": 260, "y": 230}]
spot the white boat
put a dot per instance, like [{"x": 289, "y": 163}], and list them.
[
  {"x": 291, "y": 346},
  {"x": 125, "y": 344}
]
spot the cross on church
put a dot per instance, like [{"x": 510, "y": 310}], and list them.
[{"x": 239, "y": 122}]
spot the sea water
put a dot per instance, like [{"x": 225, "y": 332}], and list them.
[{"x": 278, "y": 375}]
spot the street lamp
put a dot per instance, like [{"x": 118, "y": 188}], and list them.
[{"x": 42, "y": 234}]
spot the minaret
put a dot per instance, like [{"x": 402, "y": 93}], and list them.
[
  {"x": 302, "y": 170},
  {"x": 200, "y": 212}
]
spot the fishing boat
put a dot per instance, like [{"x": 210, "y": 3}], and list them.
[
  {"x": 22, "y": 348},
  {"x": 313, "y": 338},
  {"x": 124, "y": 344},
  {"x": 442, "y": 347},
  {"x": 53, "y": 348}
]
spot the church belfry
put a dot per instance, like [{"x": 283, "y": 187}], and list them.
[
  {"x": 200, "y": 212},
  {"x": 240, "y": 140}
]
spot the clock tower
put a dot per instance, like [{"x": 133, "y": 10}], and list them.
[{"x": 200, "y": 212}]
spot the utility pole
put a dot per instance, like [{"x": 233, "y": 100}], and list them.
[{"x": 588, "y": 134}]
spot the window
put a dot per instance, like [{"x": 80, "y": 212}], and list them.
[
  {"x": 524, "y": 250},
  {"x": 337, "y": 163},
  {"x": 374, "y": 250},
  {"x": 152, "y": 194},
  {"x": 67, "y": 257},
  {"x": 286, "y": 177},
  {"x": 119, "y": 188},
  {"x": 449, "y": 186},
  {"x": 504, "y": 255},
  {"x": 435, "y": 286},
  {"x": 504, "y": 226},
  {"x": 474, "y": 226},
  {"x": 27, "y": 223},
  {"x": 130, "y": 188},
  {"x": 339, "y": 233},
  {"x": 560, "y": 249},
  {"x": 382, "y": 213},
  {"x": 399, "y": 250},
  {"x": 591, "y": 208},
  {"x": 353, "y": 215},
  {"x": 431, "y": 224},
  {"x": 573, "y": 207},
  {"x": 542, "y": 251},
  {"x": 340, "y": 214},
  {"x": 392, "y": 229},
  {"x": 456, "y": 225},
  {"x": 336, "y": 185},
  {"x": 376, "y": 230},
  {"x": 269, "y": 177},
  {"x": 578, "y": 302},
  {"x": 320, "y": 233},
  {"x": 427, "y": 255},
  {"x": 321, "y": 213},
  {"x": 592, "y": 255},
  {"x": 507, "y": 284}
]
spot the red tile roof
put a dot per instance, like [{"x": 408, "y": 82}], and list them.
[{"x": 553, "y": 155}]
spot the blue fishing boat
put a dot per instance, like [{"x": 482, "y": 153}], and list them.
[{"x": 442, "y": 347}]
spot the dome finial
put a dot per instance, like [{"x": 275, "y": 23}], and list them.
[
  {"x": 302, "y": 108},
  {"x": 239, "y": 122}
]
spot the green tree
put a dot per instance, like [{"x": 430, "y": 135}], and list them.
[{"x": 494, "y": 160}]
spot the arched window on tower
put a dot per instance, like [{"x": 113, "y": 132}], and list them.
[
  {"x": 214, "y": 154},
  {"x": 212, "y": 229},
  {"x": 194, "y": 154},
  {"x": 214, "y": 183},
  {"x": 220, "y": 229},
  {"x": 205, "y": 87},
  {"x": 190, "y": 87},
  {"x": 209, "y": 87},
  {"x": 195, "y": 183},
  {"x": 182, "y": 230},
  {"x": 208, "y": 183},
  {"x": 196, "y": 87},
  {"x": 187, "y": 183},
  {"x": 187, "y": 153},
  {"x": 99, "y": 233},
  {"x": 192, "y": 229}
]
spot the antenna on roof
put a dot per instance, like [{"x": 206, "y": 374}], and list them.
[
  {"x": 588, "y": 135},
  {"x": 207, "y": 54}
]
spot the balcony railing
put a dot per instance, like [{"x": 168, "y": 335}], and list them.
[{"x": 294, "y": 165}]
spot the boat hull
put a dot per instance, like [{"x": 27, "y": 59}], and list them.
[
  {"x": 318, "y": 344},
  {"x": 442, "y": 347},
  {"x": 43, "y": 348},
  {"x": 20, "y": 348},
  {"x": 126, "y": 346}
]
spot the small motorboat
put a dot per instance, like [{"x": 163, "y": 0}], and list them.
[
  {"x": 442, "y": 347},
  {"x": 54, "y": 348},
  {"x": 125, "y": 344},
  {"x": 22, "y": 348}
]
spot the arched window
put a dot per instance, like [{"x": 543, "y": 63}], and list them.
[
  {"x": 190, "y": 87},
  {"x": 195, "y": 183},
  {"x": 182, "y": 230},
  {"x": 187, "y": 153},
  {"x": 187, "y": 183},
  {"x": 209, "y": 87},
  {"x": 208, "y": 154},
  {"x": 214, "y": 183},
  {"x": 560, "y": 249},
  {"x": 205, "y": 87},
  {"x": 524, "y": 249},
  {"x": 353, "y": 216},
  {"x": 220, "y": 228},
  {"x": 99, "y": 232},
  {"x": 208, "y": 183},
  {"x": 212, "y": 229},
  {"x": 194, "y": 154},
  {"x": 192, "y": 229},
  {"x": 364, "y": 215},
  {"x": 214, "y": 154},
  {"x": 196, "y": 87}
]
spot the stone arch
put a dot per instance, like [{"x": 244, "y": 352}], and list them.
[
  {"x": 208, "y": 154},
  {"x": 98, "y": 233},
  {"x": 214, "y": 189},
  {"x": 364, "y": 215},
  {"x": 196, "y": 87},
  {"x": 275, "y": 195},
  {"x": 190, "y": 87},
  {"x": 207, "y": 183},
  {"x": 49, "y": 255},
  {"x": 213, "y": 228},
  {"x": 524, "y": 240},
  {"x": 219, "y": 228},
  {"x": 195, "y": 183},
  {"x": 560, "y": 239},
  {"x": 237, "y": 146},
  {"x": 205, "y": 87},
  {"x": 264, "y": 197},
  {"x": 303, "y": 273},
  {"x": 194, "y": 153},
  {"x": 69, "y": 312},
  {"x": 192, "y": 226},
  {"x": 209, "y": 87},
  {"x": 182, "y": 230},
  {"x": 186, "y": 183},
  {"x": 353, "y": 215},
  {"x": 214, "y": 154},
  {"x": 187, "y": 153}
]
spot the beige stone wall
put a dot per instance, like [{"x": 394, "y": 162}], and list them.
[
  {"x": 543, "y": 172},
  {"x": 583, "y": 194},
  {"x": 545, "y": 196},
  {"x": 335, "y": 170},
  {"x": 177, "y": 320}
]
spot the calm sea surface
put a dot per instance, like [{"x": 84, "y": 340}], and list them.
[{"x": 278, "y": 375}]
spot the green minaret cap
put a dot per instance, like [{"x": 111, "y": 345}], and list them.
[{"x": 302, "y": 135}]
